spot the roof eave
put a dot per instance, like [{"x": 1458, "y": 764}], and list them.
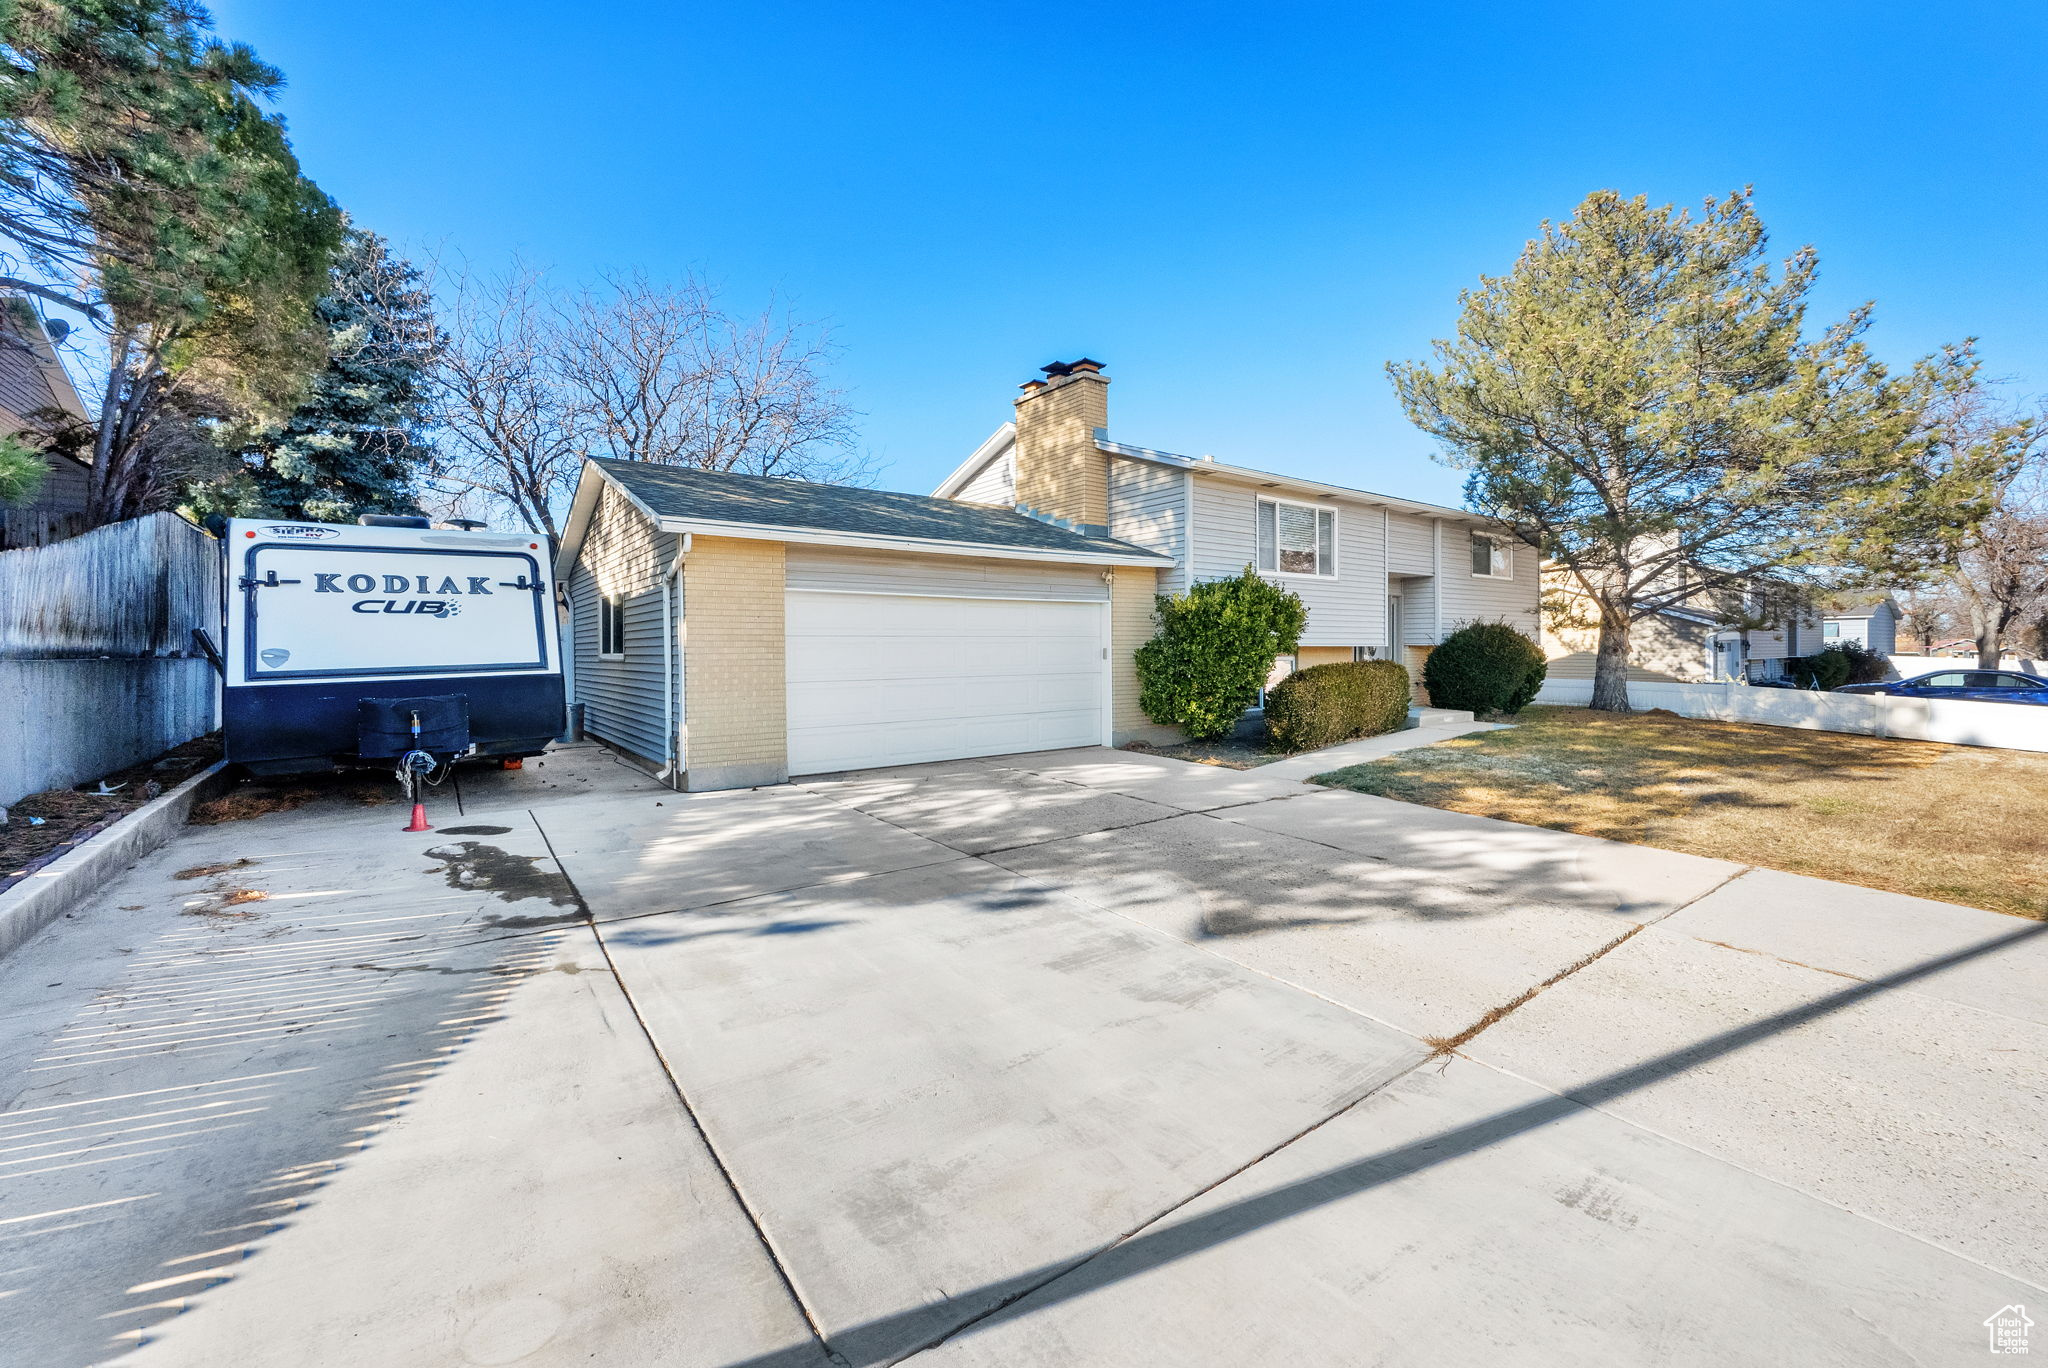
[
  {"x": 992, "y": 447},
  {"x": 870, "y": 541}
]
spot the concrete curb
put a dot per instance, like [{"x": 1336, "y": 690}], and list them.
[{"x": 70, "y": 879}]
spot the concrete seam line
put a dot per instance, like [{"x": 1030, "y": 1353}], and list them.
[
  {"x": 683, "y": 1100},
  {"x": 1444, "y": 1045},
  {"x": 1169, "y": 1209}
]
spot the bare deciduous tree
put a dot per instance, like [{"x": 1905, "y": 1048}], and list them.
[
  {"x": 509, "y": 426},
  {"x": 1997, "y": 576},
  {"x": 632, "y": 369}
]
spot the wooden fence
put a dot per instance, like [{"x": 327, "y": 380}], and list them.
[{"x": 98, "y": 669}]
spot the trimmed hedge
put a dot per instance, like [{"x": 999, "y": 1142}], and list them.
[
  {"x": 1325, "y": 704},
  {"x": 1485, "y": 667}
]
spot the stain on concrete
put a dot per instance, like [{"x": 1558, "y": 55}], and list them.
[
  {"x": 479, "y": 830},
  {"x": 1599, "y": 1199},
  {"x": 472, "y": 865}
]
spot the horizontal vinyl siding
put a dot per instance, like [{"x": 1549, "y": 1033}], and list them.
[
  {"x": 1409, "y": 545},
  {"x": 622, "y": 699},
  {"x": 1418, "y": 610},
  {"x": 1147, "y": 507},
  {"x": 885, "y": 572},
  {"x": 994, "y": 483},
  {"x": 1473, "y": 598},
  {"x": 1347, "y": 611}
]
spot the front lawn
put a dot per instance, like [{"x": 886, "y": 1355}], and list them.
[{"x": 1956, "y": 823}]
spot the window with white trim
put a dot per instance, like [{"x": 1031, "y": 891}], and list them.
[
  {"x": 1297, "y": 539},
  {"x": 611, "y": 627},
  {"x": 1492, "y": 557}
]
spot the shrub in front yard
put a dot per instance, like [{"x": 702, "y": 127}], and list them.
[
  {"x": 1485, "y": 667},
  {"x": 1325, "y": 704},
  {"x": 1212, "y": 653},
  {"x": 1823, "y": 670}
]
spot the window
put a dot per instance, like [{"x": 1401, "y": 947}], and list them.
[
  {"x": 1297, "y": 539},
  {"x": 1831, "y": 630},
  {"x": 611, "y": 626},
  {"x": 1492, "y": 557}
]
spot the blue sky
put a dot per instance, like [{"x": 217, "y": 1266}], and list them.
[{"x": 1244, "y": 210}]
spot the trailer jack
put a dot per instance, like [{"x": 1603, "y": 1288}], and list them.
[{"x": 412, "y": 767}]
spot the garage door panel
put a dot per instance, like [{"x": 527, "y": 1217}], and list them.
[{"x": 896, "y": 679}]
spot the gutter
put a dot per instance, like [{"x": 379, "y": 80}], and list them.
[{"x": 811, "y": 536}]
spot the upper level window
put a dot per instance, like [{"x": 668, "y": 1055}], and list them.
[
  {"x": 1297, "y": 539},
  {"x": 1831, "y": 630},
  {"x": 1492, "y": 557},
  {"x": 611, "y": 626}
]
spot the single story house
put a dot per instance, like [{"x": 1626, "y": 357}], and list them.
[
  {"x": 729, "y": 631},
  {"x": 1868, "y": 620}
]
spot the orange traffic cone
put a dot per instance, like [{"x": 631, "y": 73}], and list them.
[{"x": 419, "y": 818}]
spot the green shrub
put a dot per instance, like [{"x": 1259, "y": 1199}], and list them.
[
  {"x": 1485, "y": 667},
  {"x": 1325, "y": 704},
  {"x": 1212, "y": 653},
  {"x": 1865, "y": 666},
  {"x": 1826, "y": 669}
]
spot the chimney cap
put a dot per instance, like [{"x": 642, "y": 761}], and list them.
[
  {"x": 1032, "y": 386},
  {"x": 1059, "y": 368}
]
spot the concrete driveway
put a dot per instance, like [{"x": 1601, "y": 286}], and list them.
[{"x": 1079, "y": 1058}]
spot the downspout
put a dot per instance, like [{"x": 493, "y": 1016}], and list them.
[{"x": 672, "y": 772}]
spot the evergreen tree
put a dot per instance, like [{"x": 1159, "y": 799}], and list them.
[
  {"x": 1641, "y": 398},
  {"x": 356, "y": 443}
]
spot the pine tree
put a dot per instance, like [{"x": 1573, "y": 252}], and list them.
[{"x": 356, "y": 444}]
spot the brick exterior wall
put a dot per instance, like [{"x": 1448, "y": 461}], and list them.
[
  {"x": 1130, "y": 626},
  {"x": 1060, "y": 470},
  {"x": 734, "y": 689}
]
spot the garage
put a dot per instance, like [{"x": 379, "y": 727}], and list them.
[
  {"x": 896, "y": 679},
  {"x": 730, "y": 631}
]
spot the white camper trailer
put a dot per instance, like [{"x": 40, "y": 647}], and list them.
[{"x": 339, "y": 640}]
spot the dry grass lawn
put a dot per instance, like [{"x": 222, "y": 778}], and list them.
[{"x": 1955, "y": 823}]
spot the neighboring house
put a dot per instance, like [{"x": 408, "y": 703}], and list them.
[
  {"x": 731, "y": 630},
  {"x": 35, "y": 395},
  {"x": 1690, "y": 642},
  {"x": 1382, "y": 577},
  {"x": 1867, "y": 620}
]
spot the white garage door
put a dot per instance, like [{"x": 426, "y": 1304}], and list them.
[{"x": 891, "y": 679}]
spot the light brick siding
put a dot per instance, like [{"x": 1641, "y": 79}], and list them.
[
  {"x": 735, "y": 693},
  {"x": 1322, "y": 655},
  {"x": 1060, "y": 470},
  {"x": 1131, "y": 626}
]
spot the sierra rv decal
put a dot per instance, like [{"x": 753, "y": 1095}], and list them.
[{"x": 301, "y": 532}]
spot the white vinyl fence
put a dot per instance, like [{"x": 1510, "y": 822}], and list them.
[
  {"x": 2011, "y": 726},
  {"x": 98, "y": 670}
]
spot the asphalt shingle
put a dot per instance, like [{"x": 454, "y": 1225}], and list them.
[{"x": 673, "y": 491}]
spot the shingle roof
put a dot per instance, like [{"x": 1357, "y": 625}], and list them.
[
  {"x": 1854, "y": 605},
  {"x": 714, "y": 496}
]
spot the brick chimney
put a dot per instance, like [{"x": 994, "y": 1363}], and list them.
[{"x": 1061, "y": 474}]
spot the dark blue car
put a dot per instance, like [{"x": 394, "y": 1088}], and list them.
[{"x": 1981, "y": 686}]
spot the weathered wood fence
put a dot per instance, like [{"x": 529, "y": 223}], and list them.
[{"x": 98, "y": 669}]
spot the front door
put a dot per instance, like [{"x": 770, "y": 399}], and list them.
[{"x": 1396, "y": 648}]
